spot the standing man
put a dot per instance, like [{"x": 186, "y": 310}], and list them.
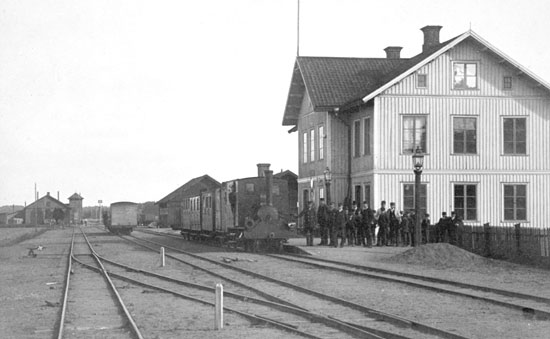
[
  {"x": 406, "y": 228},
  {"x": 394, "y": 224},
  {"x": 331, "y": 231},
  {"x": 455, "y": 229},
  {"x": 309, "y": 222},
  {"x": 367, "y": 224},
  {"x": 426, "y": 228},
  {"x": 383, "y": 223},
  {"x": 340, "y": 225},
  {"x": 323, "y": 220},
  {"x": 441, "y": 227}
]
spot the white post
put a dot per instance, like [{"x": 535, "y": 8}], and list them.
[
  {"x": 219, "y": 306},
  {"x": 162, "y": 259}
]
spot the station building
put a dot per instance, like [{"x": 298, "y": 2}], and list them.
[{"x": 480, "y": 120}]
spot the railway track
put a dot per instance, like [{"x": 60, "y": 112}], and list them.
[
  {"x": 280, "y": 316},
  {"x": 317, "y": 302},
  {"x": 528, "y": 304},
  {"x": 91, "y": 304}
]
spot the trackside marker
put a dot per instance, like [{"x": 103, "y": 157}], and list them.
[
  {"x": 162, "y": 258},
  {"x": 219, "y": 306}
]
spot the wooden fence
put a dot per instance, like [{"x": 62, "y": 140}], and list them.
[{"x": 505, "y": 242}]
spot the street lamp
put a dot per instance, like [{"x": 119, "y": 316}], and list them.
[
  {"x": 328, "y": 178},
  {"x": 418, "y": 162}
]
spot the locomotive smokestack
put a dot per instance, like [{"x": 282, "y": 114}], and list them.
[
  {"x": 269, "y": 190},
  {"x": 262, "y": 168}
]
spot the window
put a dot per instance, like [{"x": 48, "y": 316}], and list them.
[
  {"x": 321, "y": 192},
  {"x": 304, "y": 148},
  {"x": 414, "y": 133},
  {"x": 408, "y": 198},
  {"x": 312, "y": 144},
  {"x": 249, "y": 187},
  {"x": 464, "y": 136},
  {"x": 515, "y": 202},
  {"x": 515, "y": 135},
  {"x": 367, "y": 195},
  {"x": 421, "y": 80},
  {"x": 358, "y": 195},
  {"x": 276, "y": 190},
  {"x": 366, "y": 136},
  {"x": 357, "y": 138},
  {"x": 465, "y": 198},
  {"x": 507, "y": 82},
  {"x": 464, "y": 75},
  {"x": 321, "y": 142}
]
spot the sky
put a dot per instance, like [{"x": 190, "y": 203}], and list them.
[{"x": 128, "y": 100}]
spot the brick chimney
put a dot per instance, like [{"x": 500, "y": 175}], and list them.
[
  {"x": 262, "y": 168},
  {"x": 393, "y": 52},
  {"x": 431, "y": 37}
]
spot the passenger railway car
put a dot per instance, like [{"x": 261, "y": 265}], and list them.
[
  {"x": 252, "y": 213},
  {"x": 123, "y": 217}
]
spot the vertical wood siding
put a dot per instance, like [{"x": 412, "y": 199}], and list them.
[{"x": 489, "y": 168}]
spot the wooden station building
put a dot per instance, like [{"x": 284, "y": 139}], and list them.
[{"x": 480, "y": 119}]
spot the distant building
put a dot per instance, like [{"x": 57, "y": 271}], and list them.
[
  {"x": 75, "y": 203},
  {"x": 41, "y": 211}
]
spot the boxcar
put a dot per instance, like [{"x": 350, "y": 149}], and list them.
[{"x": 124, "y": 217}]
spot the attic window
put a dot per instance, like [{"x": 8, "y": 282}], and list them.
[
  {"x": 465, "y": 75},
  {"x": 421, "y": 80},
  {"x": 507, "y": 82}
]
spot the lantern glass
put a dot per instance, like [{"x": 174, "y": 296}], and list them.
[
  {"x": 328, "y": 175},
  {"x": 418, "y": 158}
]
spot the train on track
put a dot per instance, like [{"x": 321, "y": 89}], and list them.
[
  {"x": 122, "y": 218},
  {"x": 254, "y": 214}
]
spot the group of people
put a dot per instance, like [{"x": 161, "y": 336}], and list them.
[{"x": 368, "y": 227}]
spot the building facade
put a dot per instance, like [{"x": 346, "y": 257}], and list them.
[
  {"x": 480, "y": 119},
  {"x": 42, "y": 210}
]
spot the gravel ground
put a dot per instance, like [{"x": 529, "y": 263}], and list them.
[{"x": 32, "y": 286}]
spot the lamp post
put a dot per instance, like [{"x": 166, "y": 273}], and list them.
[
  {"x": 418, "y": 162},
  {"x": 328, "y": 178}
]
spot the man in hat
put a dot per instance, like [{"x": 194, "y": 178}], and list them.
[
  {"x": 426, "y": 228},
  {"x": 323, "y": 220},
  {"x": 442, "y": 227},
  {"x": 455, "y": 229},
  {"x": 310, "y": 220}
]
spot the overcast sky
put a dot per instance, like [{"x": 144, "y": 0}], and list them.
[{"x": 128, "y": 100}]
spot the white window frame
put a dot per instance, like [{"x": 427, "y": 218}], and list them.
[
  {"x": 503, "y": 217},
  {"x": 312, "y": 144},
  {"x": 476, "y": 184},
  {"x": 321, "y": 142},
  {"x": 402, "y": 134},
  {"x": 453, "y": 134},
  {"x": 304, "y": 148},
  {"x": 465, "y": 62},
  {"x": 502, "y": 117}
]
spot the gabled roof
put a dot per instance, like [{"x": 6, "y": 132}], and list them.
[
  {"x": 191, "y": 188},
  {"x": 76, "y": 196},
  {"x": 342, "y": 82},
  {"x": 48, "y": 197},
  {"x": 287, "y": 173}
]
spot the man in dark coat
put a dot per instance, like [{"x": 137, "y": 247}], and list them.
[
  {"x": 383, "y": 224},
  {"x": 310, "y": 221},
  {"x": 426, "y": 228},
  {"x": 367, "y": 224},
  {"x": 323, "y": 220},
  {"x": 455, "y": 229},
  {"x": 340, "y": 225},
  {"x": 393, "y": 224},
  {"x": 442, "y": 227},
  {"x": 332, "y": 231},
  {"x": 405, "y": 229}
]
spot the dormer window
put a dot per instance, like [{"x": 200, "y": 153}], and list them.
[{"x": 465, "y": 75}]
